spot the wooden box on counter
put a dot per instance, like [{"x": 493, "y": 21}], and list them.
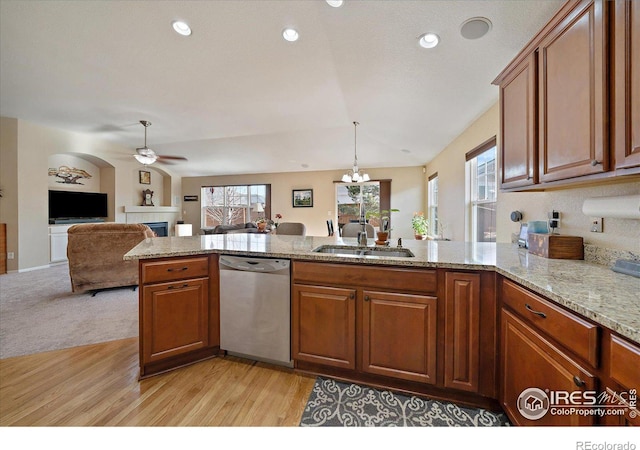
[{"x": 556, "y": 246}]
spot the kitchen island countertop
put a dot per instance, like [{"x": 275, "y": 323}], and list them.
[{"x": 594, "y": 291}]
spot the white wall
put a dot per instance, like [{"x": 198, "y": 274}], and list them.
[{"x": 407, "y": 195}]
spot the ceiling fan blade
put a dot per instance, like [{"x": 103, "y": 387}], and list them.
[{"x": 181, "y": 158}]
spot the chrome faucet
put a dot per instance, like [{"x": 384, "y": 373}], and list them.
[
  {"x": 399, "y": 242},
  {"x": 362, "y": 235}
]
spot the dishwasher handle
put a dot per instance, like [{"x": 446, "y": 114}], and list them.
[{"x": 254, "y": 264}]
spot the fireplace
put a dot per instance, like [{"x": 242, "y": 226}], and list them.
[{"x": 159, "y": 228}]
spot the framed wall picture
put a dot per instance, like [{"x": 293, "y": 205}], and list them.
[
  {"x": 302, "y": 198},
  {"x": 145, "y": 177}
]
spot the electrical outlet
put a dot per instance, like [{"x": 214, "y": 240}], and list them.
[
  {"x": 554, "y": 219},
  {"x": 11, "y": 255},
  {"x": 596, "y": 224}
]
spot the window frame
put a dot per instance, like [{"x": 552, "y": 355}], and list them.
[
  {"x": 490, "y": 197},
  {"x": 248, "y": 208}
]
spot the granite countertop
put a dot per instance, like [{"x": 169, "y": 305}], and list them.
[{"x": 594, "y": 291}]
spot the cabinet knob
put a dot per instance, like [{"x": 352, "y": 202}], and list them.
[
  {"x": 578, "y": 381},
  {"x": 352, "y": 295},
  {"x": 595, "y": 162},
  {"x": 366, "y": 298},
  {"x": 537, "y": 313}
]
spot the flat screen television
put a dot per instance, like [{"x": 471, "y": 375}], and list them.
[{"x": 65, "y": 205}]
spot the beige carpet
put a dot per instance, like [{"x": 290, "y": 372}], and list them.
[{"x": 38, "y": 312}]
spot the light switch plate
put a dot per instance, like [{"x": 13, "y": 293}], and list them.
[{"x": 596, "y": 224}]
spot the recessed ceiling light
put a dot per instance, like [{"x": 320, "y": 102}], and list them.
[
  {"x": 475, "y": 28},
  {"x": 429, "y": 40},
  {"x": 335, "y": 3},
  {"x": 290, "y": 34},
  {"x": 181, "y": 28}
]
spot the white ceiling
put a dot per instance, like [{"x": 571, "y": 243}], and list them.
[{"x": 234, "y": 97}]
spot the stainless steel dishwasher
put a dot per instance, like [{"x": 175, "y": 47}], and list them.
[{"x": 255, "y": 308}]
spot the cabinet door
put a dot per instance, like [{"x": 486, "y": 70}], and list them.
[
  {"x": 324, "y": 325},
  {"x": 627, "y": 84},
  {"x": 175, "y": 317},
  {"x": 572, "y": 96},
  {"x": 462, "y": 331},
  {"x": 58, "y": 249},
  {"x": 399, "y": 335},
  {"x": 518, "y": 152},
  {"x": 530, "y": 361}
]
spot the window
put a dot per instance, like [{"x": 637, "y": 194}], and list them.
[
  {"x": 482, "y": 190},
  {"x": 231, "y": 205},
  {"x": 351, "y": 196},
  {"x": 432, "y": 202}
]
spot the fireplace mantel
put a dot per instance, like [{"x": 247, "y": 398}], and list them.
[{"x": 151, "y": 209}]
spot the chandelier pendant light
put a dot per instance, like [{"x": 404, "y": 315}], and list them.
[{"x": 354, "y": 175}]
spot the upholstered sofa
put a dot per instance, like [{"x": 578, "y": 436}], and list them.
[
  {"x": 248, "y": 227},
  {"x": 95, "y": 252}
]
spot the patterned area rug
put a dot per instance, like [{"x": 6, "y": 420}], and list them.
[{"x": 337, "y": 404}]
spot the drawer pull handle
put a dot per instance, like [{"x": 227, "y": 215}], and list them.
[
  {"x": 352, "y": 296},
  {"x": 366, "y": 298},
  {"x": 178, "y": 287},
  {"x": 537, "y": 313},
  {"x": 579, "y": 382},
  {"x": 182, "y": 269}
]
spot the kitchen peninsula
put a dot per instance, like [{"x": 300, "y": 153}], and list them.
[{"x": 472, "y": 323}]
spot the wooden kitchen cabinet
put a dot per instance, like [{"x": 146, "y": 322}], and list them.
[
  {"x": 529, "y": 360},
  {"x": 573, "y": 95},
  {"x": 462, "y": 331},
  {"x": 518, "y": 150},
  {"x": 179, "y": 312},
  {"x": 570, "y": 100},
  {"x": 626, "y": 83},
  {"x": 324, "y": 325},
  {"x": 176, "y": 317},
  {"x": 399, "y": 335},
  {"x": 623, "y": 381},
  {"x": 366, "y": 319}
]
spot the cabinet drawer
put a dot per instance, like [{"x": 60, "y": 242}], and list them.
[
  {"x": 624, "y": 363},
  {"x": 417, "y": 280},
  {"x": 174, "y": 269},
  {"x": 576, "y": 334}
]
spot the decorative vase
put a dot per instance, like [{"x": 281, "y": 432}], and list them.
[{"x": 262, "y": 226}]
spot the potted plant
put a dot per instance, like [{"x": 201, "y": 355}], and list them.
[
  {"x": 383, "y": 220},
  {"x": 420, "y": 225}
]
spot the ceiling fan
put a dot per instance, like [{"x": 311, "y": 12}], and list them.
[{"x": 147, "y": 156}]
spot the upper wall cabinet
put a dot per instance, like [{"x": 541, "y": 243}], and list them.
[
  {"x": 569, "y": 101},
  {"x": 572, "y": 96},
  {"x": 518, "y": 152},
  {"x": 626, "y": 83}
]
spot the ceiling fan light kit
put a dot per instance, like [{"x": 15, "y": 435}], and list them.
[
  {"x": 354, "y": 175},
  {"x": 144, "y": 155}
]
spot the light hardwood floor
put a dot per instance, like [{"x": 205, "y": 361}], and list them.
[{"x": 97, "y": 385}]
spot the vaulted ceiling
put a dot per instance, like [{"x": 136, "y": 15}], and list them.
[{"x": 235, "y": 97}]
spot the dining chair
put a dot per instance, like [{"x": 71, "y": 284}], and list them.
[
  {"x": 330, "y": 227},
  {"x": 352, "y": 230},
  {"x": 292, "y": 229}
]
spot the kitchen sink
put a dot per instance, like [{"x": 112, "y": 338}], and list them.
[{"x": 364, "y": 252}]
